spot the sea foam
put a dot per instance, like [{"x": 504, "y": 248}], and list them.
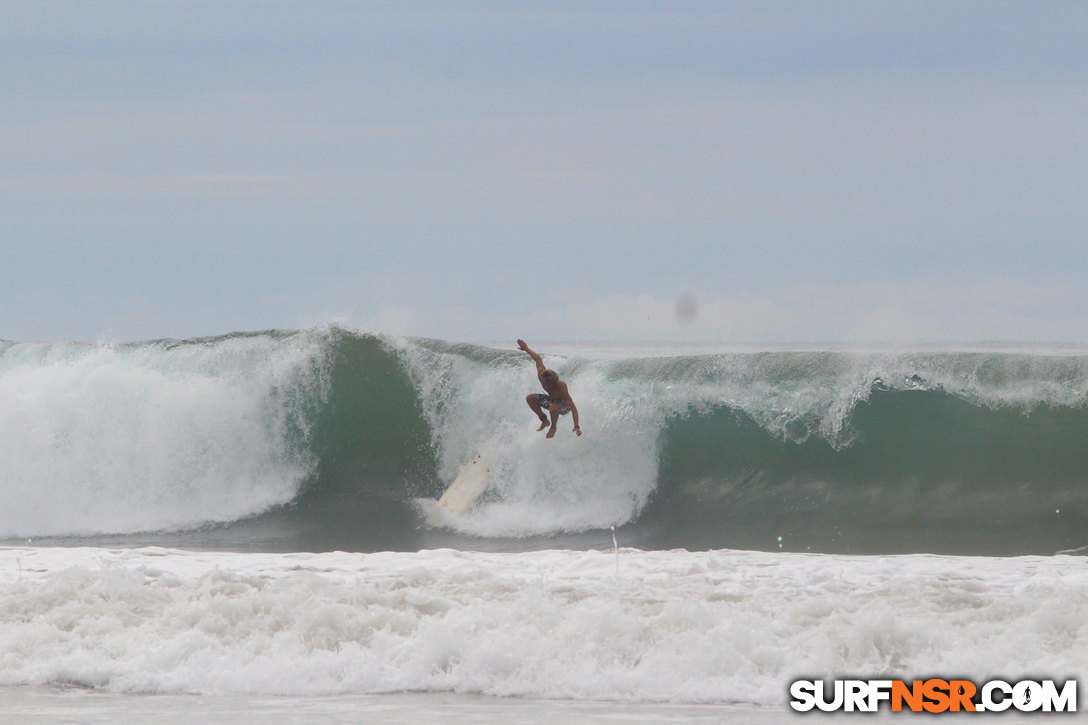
[
  {"x": 108, "y": 438},
  {"x": 719, "y": 626}
]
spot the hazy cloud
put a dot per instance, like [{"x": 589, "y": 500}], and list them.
[{"x": 861, "y": 169}]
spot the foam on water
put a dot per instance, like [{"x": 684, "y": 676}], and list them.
[
  {"x": 475, "y": 406},
  {"x": 719, "y": 626},
  {"x": 100, "y": 438}
]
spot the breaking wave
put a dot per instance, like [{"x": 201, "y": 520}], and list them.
[{"x": 329, "y": 438}]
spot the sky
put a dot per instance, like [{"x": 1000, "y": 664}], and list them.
[{"x": 624, "y": 171}]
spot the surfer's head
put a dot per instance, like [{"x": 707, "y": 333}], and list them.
[{"x": 550, "y": 377}]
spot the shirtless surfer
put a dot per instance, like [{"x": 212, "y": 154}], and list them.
[{"x": 556, "y": 398}]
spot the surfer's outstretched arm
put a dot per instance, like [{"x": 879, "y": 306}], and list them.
[{"x": 536, "y": 358}]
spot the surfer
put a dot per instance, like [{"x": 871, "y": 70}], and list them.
[{"x": 555, "y": 398}]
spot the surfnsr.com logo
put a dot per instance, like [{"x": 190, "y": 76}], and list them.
[{"x": 934, "y": 695}]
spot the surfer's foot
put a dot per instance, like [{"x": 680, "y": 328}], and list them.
[
  {"x": 543, "y": 424},
  {"x": 551, "y": 433}
]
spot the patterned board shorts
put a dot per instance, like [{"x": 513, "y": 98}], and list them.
[{"x": 545, "y": 401}]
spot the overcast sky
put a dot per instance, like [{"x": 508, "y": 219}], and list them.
[{"x": 773, "y": 171}]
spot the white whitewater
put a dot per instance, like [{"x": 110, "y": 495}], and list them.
[
  {"x": 107, "y": 438},
  {"x": 719, "y": 626}
]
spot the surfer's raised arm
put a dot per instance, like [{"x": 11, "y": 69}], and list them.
[
  {"x": 555, "y": 398},
  {"x": 536, "y": 358}
]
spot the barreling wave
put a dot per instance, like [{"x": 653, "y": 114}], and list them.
[{"x": 327, "y": 438}]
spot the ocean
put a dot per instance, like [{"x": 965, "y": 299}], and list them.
[{"x": 244, "y": 527}]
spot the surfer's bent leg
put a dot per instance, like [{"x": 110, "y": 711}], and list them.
[
  {"x": 554, "y": 408},
  {"x": 534, "y": 403}
]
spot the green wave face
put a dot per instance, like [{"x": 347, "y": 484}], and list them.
[{"x": 925, "y": 472}]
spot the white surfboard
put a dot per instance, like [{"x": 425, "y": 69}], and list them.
[{"x": 466, "y": 488}]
